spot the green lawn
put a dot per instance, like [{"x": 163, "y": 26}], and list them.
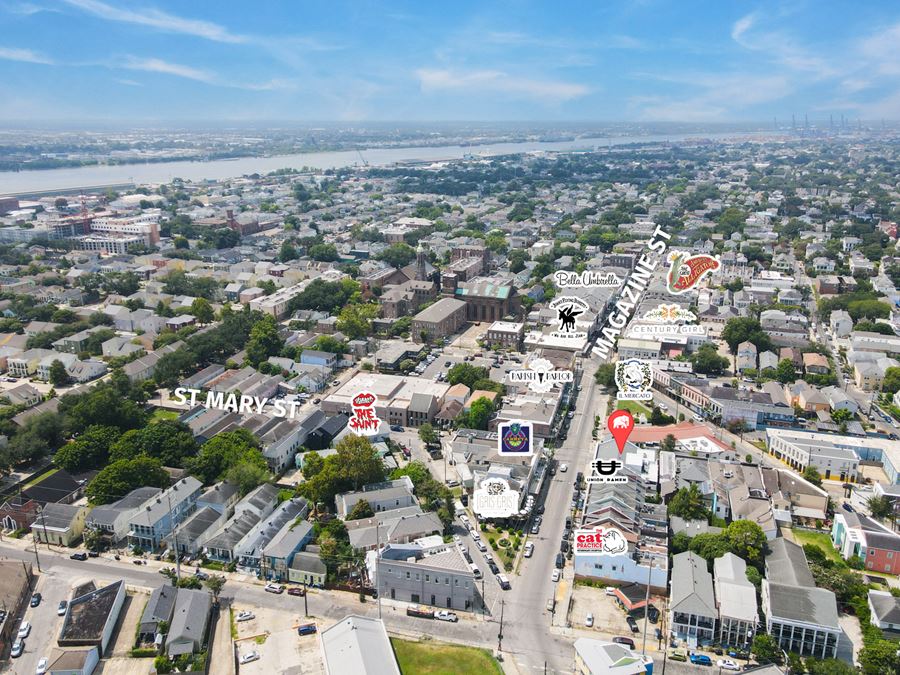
[
  {"x": 436, "y": 658},
  {"x": 633, "y": 407},
  {"x": 820, "y": 539},
  {"x": 162, "y": 414}
]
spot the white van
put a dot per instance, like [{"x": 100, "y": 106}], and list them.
[
  {"x": 481, "y": 546},
  {"x": 504, "y": 582},
  {"x": 475, "y": 570}
]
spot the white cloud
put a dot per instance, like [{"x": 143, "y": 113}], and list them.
[
  {"x": 882, "y": 49},
  {"x": 152, "y": 65},
  {"x": 720, "y": 96},
  {"x": 781, "y": 47},
  {"x": 481, "y": 81},
  {"x": 158, "y": 19},
  {"x": 23, "y": 55}
]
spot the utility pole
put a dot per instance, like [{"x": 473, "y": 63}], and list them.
[
  {"x": 647, "y": 606},
  {"x": 377, "y": 558},
  {"x": 37, "y": 558},
  {"x": 175, "y": 539},
  {"x": 44, "y": 524},
  {"x": 305, "y": 602},
  {"x": 500, "y": 634}
]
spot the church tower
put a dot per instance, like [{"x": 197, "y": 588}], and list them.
[{"x": 420, "y": 263}]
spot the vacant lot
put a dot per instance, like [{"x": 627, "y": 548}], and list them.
[{"x": 435, "y": 658}]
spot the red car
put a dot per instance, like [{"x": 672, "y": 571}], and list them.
[{"x": 296, "y": 591}]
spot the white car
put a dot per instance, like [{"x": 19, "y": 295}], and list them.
[
  {"x": 727, "y": 664},
  {"x": 610, "y": 590},
  {"x": 563, "y": 467},
  {"x": 444, "y": 615},
  {"x": 42, "y": 666},
  {"x": 245, "y": 616},
  {"x": 249, "y": 657},
  {"x": 274, "y": 588},
  {"x": 555, "y": 576},
  {"x": 24, "y": 630},
  {"x": 589, "y": 620},
  {"x": 529, "y": 549}
]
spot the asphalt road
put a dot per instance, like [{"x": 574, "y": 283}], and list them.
[{"x": 526, "y": 629}]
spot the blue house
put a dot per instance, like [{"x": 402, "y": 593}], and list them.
[
  {"x": 313, "y": 357},
  {"x": 159, "y": 516}
]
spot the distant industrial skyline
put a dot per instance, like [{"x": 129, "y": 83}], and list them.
[{"x": 642, "y": 61}]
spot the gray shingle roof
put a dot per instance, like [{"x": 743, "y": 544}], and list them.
[{"x": 692, "y": 586}]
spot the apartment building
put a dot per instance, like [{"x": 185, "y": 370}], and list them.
[
  {"x": 799, "y": 616},
  {"x": 692, "y": 604},
  {"x": 156, "y": 520}
]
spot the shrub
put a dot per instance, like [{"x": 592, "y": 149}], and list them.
[
  {"x": 142, "y": 652},
  {"x": 494, "y": 544},
  {"x": 508, "y": 566}
]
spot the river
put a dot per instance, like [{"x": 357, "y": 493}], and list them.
[{"x": 12, "y": 182}]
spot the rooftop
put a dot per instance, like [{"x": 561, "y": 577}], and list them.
[{"x": 358, "y": 645}]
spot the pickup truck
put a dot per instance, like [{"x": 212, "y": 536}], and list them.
[{"x": 419, "y": 611}]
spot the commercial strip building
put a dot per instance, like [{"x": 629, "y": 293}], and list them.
[
  {"x": 834, "y": 455},
  {"x": 406, "y": 401},
  {"x": 427, "y": 571}
]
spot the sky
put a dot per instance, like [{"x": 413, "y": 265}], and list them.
[{"x": 364, "y": 60}]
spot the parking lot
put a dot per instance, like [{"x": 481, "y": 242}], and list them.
[
  {"x": 609, "y": 618},
  {"x": 45, "y": 623},
  {"x": 281, "y": 650}
]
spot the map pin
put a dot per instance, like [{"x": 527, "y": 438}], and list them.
[{"x": 620, "y": 425}]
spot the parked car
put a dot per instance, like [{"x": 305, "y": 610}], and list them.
[
  {"x": 551, "y": 604},
  {"x": 202, "y": 576},
  {"x": 564, "y": 546},
  {"x": 701, "y": 660},
  {"x": 627, "y": 641},
  {"x": 18, "y": 648},
  {"x": 42, "y": 666},
  {"x": 444, "y": 615},
  {"x": 503, "y": 580},
  {"x": 653, "y": 614},
  {"x": 535, "y": 528},
  {"x": 560, "y": 561},
  {"x": 727, "y": 664},
  {"x": 610, "y": 590},
  {"x": 317, "y": 401},
  {"x": 274, "y": 588},
  {"x": 657, "y": 633},
  {"x": 563, "y": 467},
  {"x": 678, "y": 654},
  {"x": 396, "y": 427},
  {"x": 246, "y": 615},
  {"x": 307, "y": 629},
  {"x": 78, "y": 556},
  {"x": 63, "y": 606},
  {"x": 24, "y": 630},
  {"x": 589, "y": 620},
  {"x": 555, "y": 575},
  {"x": 296, "y": 590},
  {"x": 249, "y": 657},
  {"x": 529, "y": 549},
  {"x": 36, "y": 599},
  {"x": 632, "y": 624}
]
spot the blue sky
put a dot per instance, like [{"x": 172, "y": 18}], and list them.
[{"x": 303, "y": 60}]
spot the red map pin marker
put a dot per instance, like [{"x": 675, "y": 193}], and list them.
[{"x": 620, "y": 425}]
